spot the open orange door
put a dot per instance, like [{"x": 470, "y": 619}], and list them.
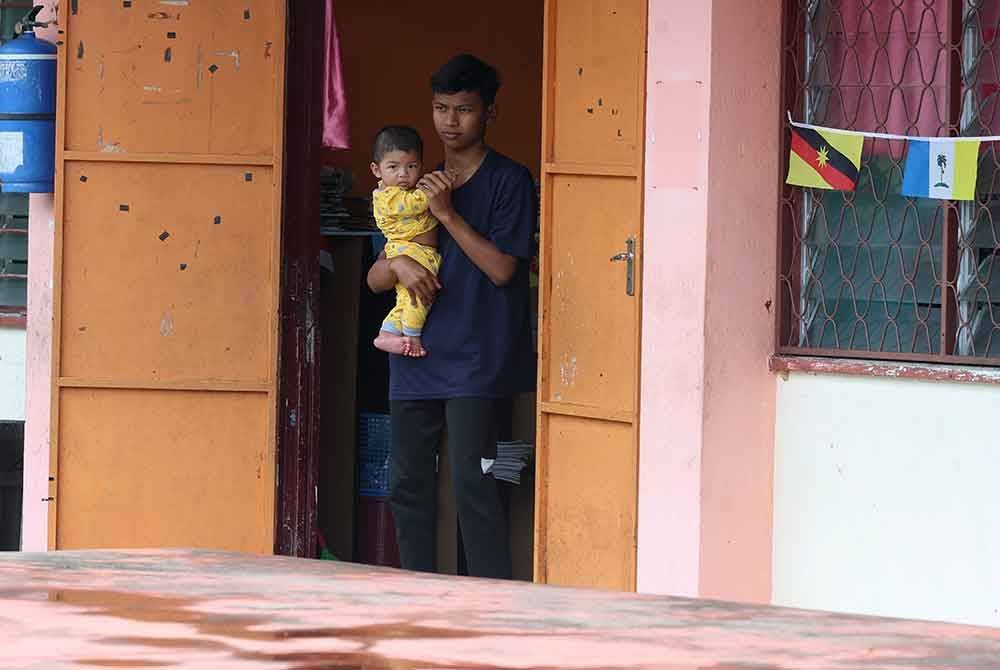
[
  {"x": 592, "y": 146},
  {"x": 168, "y": 204}
]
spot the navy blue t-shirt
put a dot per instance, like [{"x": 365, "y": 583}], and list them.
[{"x": 478, "y": 335}]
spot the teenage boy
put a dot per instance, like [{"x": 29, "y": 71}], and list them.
[{"x": 477, "y": 336}]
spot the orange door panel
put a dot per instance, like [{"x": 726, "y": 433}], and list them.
[
  {"x": 593, "y": 124},
  {"x": 168, "y": 201}
]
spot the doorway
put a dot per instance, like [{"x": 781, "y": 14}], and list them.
[{"x": 345, "y": 436}]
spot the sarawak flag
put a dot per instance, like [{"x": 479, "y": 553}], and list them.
[{"x": 824, "y": 159}]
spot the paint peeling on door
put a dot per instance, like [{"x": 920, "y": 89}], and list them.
[
  {"x": 167, "y": 325},
  {"x": 568, "y": 370},
  {"x": 107, "y": 147},
  {"x": 235, "y": 55}
]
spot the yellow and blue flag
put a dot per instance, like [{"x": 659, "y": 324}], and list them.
[{"x": 941, "y": 169}]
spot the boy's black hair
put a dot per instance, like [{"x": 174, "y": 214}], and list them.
[
  {"x": 467, "y": 73},
  {"x": 396, "y": 138}
]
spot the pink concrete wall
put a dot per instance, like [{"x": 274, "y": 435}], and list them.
[
  {"x": 673, "y": 296},
  {"x": 738, "y": 448},
  {"x": 707, "y": 422},
  {"x": 38, "y": 398}
]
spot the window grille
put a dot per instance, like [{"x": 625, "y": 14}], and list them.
[
  {"x": 13, "y": 254},
  {"x": 871, "y": 273}
]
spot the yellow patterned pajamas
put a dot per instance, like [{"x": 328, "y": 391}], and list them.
[{"x": 402, "y": 215}]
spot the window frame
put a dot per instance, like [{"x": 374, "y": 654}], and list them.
[{"x": 787, "y": 319}]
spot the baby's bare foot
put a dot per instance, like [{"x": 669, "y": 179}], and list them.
[
  {"x": 416, "y": 349},
  {"x": 392, "y": 343}
]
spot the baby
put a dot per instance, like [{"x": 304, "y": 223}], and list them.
[{"x": 402, "y": 214}]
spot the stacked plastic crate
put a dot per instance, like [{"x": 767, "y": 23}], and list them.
[{"x": 376, "y": 543}]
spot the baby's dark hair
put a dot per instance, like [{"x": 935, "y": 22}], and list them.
[
  {"x": 467, "y": 73},
  {"x": 396, "y": 138}
]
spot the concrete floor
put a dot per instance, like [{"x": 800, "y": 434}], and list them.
[{"x": 196, "y": 609}]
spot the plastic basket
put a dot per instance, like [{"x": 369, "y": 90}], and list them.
[{"x": 373, "y": 454}]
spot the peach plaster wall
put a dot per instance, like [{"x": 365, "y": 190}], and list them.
[
  {"x": 707, "y": 421},
  {"x": 38, "y": 394}
]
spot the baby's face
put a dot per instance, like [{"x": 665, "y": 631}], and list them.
[{"x": 399, "y": 168}]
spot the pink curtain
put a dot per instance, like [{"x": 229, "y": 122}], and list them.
[
  {"x": 887, "y": 63},
  {"x": 335, "y": 124}
]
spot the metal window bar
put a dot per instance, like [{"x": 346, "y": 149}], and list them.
[
  {"x": 967, "y": 265},
  {"x": 808, "y": 306},
  {"x": 13, "y": 253},
  {"x": 871, "y": 273}
]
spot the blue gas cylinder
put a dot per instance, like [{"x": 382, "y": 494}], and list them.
[{"x": 27, "y": 114}]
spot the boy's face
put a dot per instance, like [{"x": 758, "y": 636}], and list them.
[
  {"x": 461, "y": 118},
  {"x": 398, "y": 168}
]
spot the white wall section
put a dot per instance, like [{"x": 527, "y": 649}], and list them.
[{"x": 887, "y": 497}]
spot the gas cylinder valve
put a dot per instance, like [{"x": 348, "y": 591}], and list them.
[{"x": 30, "y": 21}]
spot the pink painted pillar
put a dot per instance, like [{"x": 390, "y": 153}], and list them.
[
  {"x": 673, "y": 296},
  {"x": 38, "y": 398},
  {"x": 707, "y": 422}
]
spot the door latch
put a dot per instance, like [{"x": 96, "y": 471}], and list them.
[{"x": 628, "y": 256}]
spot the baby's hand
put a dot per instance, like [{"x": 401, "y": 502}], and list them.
[
  {"x": 426, "y": 184},
  {"x": 437, "y": 186}
]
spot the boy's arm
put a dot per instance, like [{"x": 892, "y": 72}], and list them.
[
  {"x": 500, "y": 267},
  {"x": 385, "y": 273},
  {"x": 495, "y": 264}
]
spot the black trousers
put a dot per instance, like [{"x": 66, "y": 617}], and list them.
[{"x": 417, "y": 426}]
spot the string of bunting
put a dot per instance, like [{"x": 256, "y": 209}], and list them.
[{"x": 943, "y": 168}]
